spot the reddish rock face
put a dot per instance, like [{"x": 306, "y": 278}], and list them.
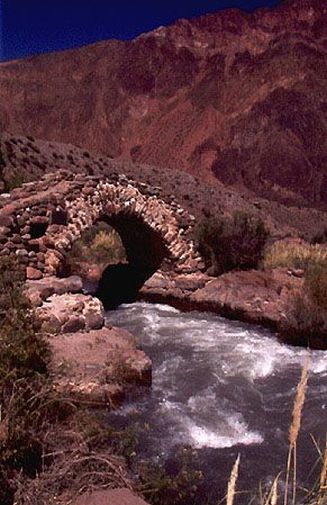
[
  {"x": 110, "y": 497},
  {"x": 231, "y": 96},
  {"x": 255, "y": 296}
]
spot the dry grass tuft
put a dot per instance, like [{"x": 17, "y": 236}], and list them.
[
  {"x": 295, "y": 254},
  {"x": 71, "y": 466},
  {"x": 322, "y": 494},
  {"x": 273, "y": 493},
  {"x": 109, "y": 243}
]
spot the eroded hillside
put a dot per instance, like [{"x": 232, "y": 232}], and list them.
[{"x": 231, "y": 96}]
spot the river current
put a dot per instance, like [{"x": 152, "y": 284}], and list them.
[{"x": 222, "y": 388}]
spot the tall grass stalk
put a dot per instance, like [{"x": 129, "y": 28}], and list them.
[
  {"x": 273, "y": 493},
  {"x": 295, "y": 429},
  {"x": 231, "y": 488},
  {"x": 323, "y": 477},
  {"x": 295, "y": 255}
]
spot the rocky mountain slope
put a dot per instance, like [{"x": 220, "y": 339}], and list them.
[
  {"x": 27, "y": 159},
  {"x": 239, "y": 98}
]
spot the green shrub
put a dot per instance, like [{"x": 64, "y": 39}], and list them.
[
  {"x": 316, "y": 285},
  {"x": 303, "y": 323},
  {"x": 305, "y": 320},
  {"x": 2, "y": 162},
  {"x": 163, "y": 487},
  {"x": 319, "y": 237},
  {"x": 232, "y": 243},
  {"x": 23, "y": 351}
]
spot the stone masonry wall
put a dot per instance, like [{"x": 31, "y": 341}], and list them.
[{"x": 40, "y": 220}]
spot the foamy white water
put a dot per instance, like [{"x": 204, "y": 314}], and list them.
[{"x": 221, "y": 386}]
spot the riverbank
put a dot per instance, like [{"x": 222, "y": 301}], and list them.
[
  {"x": 264, "y": 297},
  {"x": 93, "y": 366},
  {"x": 260, "y": 297}
]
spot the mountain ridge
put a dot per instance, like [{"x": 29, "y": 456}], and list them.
[{"x": 232, "y": 96}]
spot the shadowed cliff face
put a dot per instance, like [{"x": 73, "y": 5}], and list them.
[{"x": 241, "y": 98}]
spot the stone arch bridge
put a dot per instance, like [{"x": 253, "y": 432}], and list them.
[{"x": 40, "y": 221}]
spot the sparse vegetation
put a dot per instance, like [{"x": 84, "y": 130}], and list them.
[
  {"x": 24, "y": 357},
  {"x": 319, "y": 236},
  {"x": 161, "y": 487},
  {"x": 47, "y": 445},
  {"x": 295, "y": 254},
  {"x": 316, "y": 285},
  {"x": 305, "y": 321},
  {"x": 2, "y": 161},
  {"x": 100, "y": 245},
  {"x": 231, "y": 243}
]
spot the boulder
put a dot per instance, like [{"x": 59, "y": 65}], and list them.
[
  {"x": 191, "y": 282},
  {"x": 5, "y": 220},
  {"x": 121, "y": 496},
  {"x": 254, "y": 296},
  {"x": 70, "y": 312},
  {"x": 172, "y": 289},
  {"x": 96, "y": 367},
  {"x": 38, "y": 290}
]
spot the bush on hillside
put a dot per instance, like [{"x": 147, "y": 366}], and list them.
[
  {"x": 319, "y": 237},
  {"x": 232, "y": 243}
]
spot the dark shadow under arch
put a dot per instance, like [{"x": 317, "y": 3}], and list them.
[{"x": 145, "y": 250}]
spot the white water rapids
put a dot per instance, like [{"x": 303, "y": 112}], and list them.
[{"x": 223, "y": 387}]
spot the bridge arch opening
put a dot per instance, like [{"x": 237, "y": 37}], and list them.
[
  {"x": 145, "y": 252},
  {"x": 141, "y": 252}
]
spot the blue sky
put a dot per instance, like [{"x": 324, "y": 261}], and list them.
[{"x": 37, "y": 26}]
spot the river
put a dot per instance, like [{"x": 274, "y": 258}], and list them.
[{"x": 222, "y": 388}]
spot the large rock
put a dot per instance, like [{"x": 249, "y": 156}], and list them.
[
  {"x": 33, "y": 273},
  {"x": 70, "y": 312},
  {"x": 173, "y": 289},
  {"x": 39, "y": 290},
  {"x": 253, "y": 295},
  {"x": 122, "y": 496},
  {"x": 97, "y": 366}
]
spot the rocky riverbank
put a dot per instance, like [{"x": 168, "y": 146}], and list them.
[
  {"x": 91, "y": 362},
  {"x": 261, "y": 297}
]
